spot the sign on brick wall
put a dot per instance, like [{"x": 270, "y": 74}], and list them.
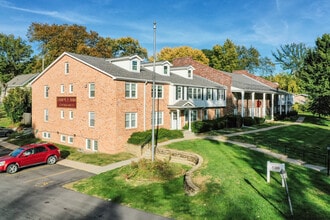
[{"x": 66, "y": 102}]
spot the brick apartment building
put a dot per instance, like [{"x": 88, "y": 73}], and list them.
[{"x": 96, "y": 104}]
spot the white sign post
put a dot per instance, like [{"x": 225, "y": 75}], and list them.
[
  {"x": 276, "y": 167},
  {"x": 279, "y": 168}
]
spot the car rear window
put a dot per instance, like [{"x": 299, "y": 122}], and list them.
[{"x": 52, "y": 147}]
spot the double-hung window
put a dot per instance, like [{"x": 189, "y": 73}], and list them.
[
  {"x": 134, "y": 65},
  {"x": 70, "y": 115},
  {"x": 158, "y": 118},
  {"x": 209, "y": 94},
  {"x": 158, "y": 92},
  {"x": 62, "y": 114},
  {"x": 71, "y": 88},
  {"x": 91, "y": 90},
  {"x": 46, "y": 93},
  {"x": 217, "y": 113},
  {"x": 66, "y": 68},
  {"x": 46, "y": 116},
  {"x": 62, "y": 88},
  {"x": 178, "y": 92},
  {"x": 91, "y": 119},
  {"x": 221, "y": 94},
  {"x": 130, "y": 120},
  {"x": 130, "y": 90},
  {"x": 165, "y": 70},
  {"x": 92, "y": 144}
]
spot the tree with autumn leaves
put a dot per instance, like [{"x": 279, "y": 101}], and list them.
[{"x": 55, "y": 39}]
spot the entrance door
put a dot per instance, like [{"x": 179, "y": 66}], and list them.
[{"x": 174, "y": 120}]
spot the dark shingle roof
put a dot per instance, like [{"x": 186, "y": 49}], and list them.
[
  {"x": 243, "y": 82},
  {"x": 119, "y": 73}
]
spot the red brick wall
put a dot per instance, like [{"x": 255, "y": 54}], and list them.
[{"x": 109, "y": 106}]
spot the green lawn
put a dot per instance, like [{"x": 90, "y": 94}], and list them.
[
  {"x": 234, "y": 186},
  {"x": 307, "y": 141}
]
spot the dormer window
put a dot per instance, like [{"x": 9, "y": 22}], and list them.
[
  {"x": 189, "y": 73},
  {"x": 134, "y": 65},
  {"x": 165, "y": 70}
]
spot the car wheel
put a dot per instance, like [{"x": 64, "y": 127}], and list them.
[
  {"x": 51, "y": 160},
  {"x": 12, "y": 168}
]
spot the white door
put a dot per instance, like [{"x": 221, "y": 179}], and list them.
[{"x": 174, "y": 120}]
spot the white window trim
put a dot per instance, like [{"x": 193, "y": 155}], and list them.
[
  {"x": 63, "y": 138},
  {"x": 66, "y": 68},
  {"x": 70, "y": 139},
  {"x": 46, "y": 91},
  {"x": 46, "y": 115},
  {"x": 70, "y": 88},
  {"x": 62, "y": 114},
  {"x": 46, "y": 135},
  {"x": 91, "y": 119},
  {"x": 130, "y": 96},
  {"x": 90, "y": 91},
  {"x": 157, "y": 122},
  {"x": 130, "y": 114},
  {"x": 62, "y": 88},
  {"x": 71, "y": 115},
  {"x": 88, "y": 144},
  {"x": 156, "y": 93}
]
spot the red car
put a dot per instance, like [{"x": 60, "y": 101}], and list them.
[{"x": 29, "y": 155}]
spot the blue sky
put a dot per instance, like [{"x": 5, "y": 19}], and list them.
[{"x": 201, "y": 24}]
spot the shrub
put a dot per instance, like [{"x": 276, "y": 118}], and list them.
[
  {"x": 259, "y": 120},
  {"x": 233, "y": 121},
  {"x": 248, "y": 121},
  {"x": 144, "y": 137}
]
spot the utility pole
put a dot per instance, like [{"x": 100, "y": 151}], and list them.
[{"x": 153, "y": 100}]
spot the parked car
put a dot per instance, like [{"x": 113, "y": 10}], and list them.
[
  {"x": 5, "y": 132},
  {"x": 29, "y": 155}
]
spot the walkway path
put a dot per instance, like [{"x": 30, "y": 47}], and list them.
[{"x": 187, "y": 136}]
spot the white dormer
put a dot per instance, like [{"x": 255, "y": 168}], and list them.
[
  {"x": 132, "y": 63},
  {"x": 161, "y": 67},
  {"x": 184, "y": 71}
]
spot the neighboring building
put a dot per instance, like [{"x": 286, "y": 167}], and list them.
[
  {"x": 96, "y": 104},
  {"x": 18, "y": 81},
  {"x": 247, "y": 94}
]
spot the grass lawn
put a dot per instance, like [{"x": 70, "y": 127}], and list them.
[
  {"x": 307, "y": 141},
  {"x": 234, "y": 186}
]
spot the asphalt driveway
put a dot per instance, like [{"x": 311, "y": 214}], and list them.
[{"x": 38, "y": 193}]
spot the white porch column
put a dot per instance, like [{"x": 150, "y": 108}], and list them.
[
  {"x": 189, "y": 119},
  {"x": 264, "y": 105},
  {"x": 253, "y": 106},
  {"x": 272, "y": 109},
  {"x": 286, "y": 104},
  {"x": 178, "y": 121},
  {"x": 280, "y": 100},
  {"x": 242, "y": 107}
]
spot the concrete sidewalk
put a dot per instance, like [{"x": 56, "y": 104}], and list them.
[{"x": 187, "y": 136}]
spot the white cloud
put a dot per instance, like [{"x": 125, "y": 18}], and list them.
[{"x": 65, "y": 16}]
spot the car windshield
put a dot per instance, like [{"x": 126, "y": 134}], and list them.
[{"x": 16, "y": 152}]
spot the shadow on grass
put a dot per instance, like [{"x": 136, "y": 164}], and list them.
[
  {"x": 309, "y": 189},
  {"x": 264, "y": 197}
]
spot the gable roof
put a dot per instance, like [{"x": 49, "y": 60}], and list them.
[
  {"x": 21, "y": 80},
  {"x": 118, "y": 73},
  {"x": 243, "y": 82}
]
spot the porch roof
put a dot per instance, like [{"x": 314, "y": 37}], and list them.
[
  {"x": 241, "y": 82},
  {"x": 182, "y": 104}
]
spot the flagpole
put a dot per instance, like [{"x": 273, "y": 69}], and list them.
[{"x": 153, "y": 99}]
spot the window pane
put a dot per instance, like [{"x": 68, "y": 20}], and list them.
[
  {"x": 91, "y": 90},
  {"x": 96, "y": 146}
]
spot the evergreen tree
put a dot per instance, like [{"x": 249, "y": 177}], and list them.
[{"x": 315, "y": 76}]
